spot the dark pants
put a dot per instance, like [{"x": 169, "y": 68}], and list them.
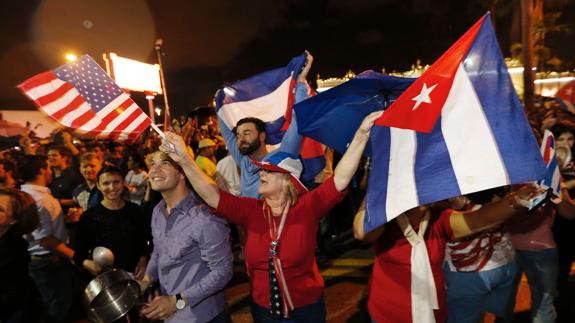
[
  {"x": 223, "y": 317},
  {"x": 55, "y": 279},
  {"x": 313, "y": 313}
]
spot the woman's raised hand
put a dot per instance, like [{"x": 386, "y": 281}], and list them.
[
  {"x": 368, "y": 121},
  {"x": 175, "y": 147}
]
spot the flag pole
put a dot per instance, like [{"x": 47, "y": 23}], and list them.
[{"x": 158, "y": 46}]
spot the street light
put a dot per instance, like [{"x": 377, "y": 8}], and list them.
[
  {"x": 158, "y": 111},
  {"x": 70, "y": 57}
]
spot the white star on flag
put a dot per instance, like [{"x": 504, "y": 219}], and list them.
[{"x": 423, "y": 96}]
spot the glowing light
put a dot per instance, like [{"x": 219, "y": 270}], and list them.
[
  {"x": 554, "y": 80},
  {"x": 158, "y": 111},
  {"x": 71, "y": 57},
  {"x": 229, "y": 91},
  {"x": 133, "y": 75}
]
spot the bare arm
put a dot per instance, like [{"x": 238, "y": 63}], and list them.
[
  {"x": 358, "y": 221},
  {"x": 350, "y": 160},
  {"x": 175, "y": 147},
  {"x": 56, "y": 246},
  {"x": 492, "y": 214}
]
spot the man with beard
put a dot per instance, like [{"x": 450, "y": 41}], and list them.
[{"x": 248, "y": 140}]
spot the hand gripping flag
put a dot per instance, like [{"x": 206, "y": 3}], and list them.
[
  {"x": 80, "y": 95},
  {"x": 269, "y": 96},
  {"x": 552, "y": 177},
  {"x": 333, "y": 116},
  {"x": 471, "y": 133}
]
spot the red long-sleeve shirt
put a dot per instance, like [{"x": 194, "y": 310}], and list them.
[{"x": 297, "y": 243}]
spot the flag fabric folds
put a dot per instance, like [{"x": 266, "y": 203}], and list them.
[
  {"x": 270, "y": 96},
  {"x": 475, "y": 135},
  {"x": 552, "y": 177},
  {"x": 80, "y": 95},
  {"x": 267, "y": 96},
  {"x": 333, "y": 116}
]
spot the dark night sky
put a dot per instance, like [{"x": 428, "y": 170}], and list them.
[{"x": 211, "y": 42}]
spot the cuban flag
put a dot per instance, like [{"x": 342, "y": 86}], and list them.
[
  {"x": 269, "y": 96},
  {"x": 460, "y": 128},
  {"x": 552, "y": 178}
]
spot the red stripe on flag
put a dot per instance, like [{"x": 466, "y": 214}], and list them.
[
  {"x": 83, "y": 119},
  {"x": 124, "y": 124},
  {"x": 112, "y": 115},
  {"x": 53, "y": 96},
  {"x": 58, "y": 115},
  {"x": 36, "y": 81},
  {"x": 547, "y": 151},
  {"x": 139, "y": 129}
]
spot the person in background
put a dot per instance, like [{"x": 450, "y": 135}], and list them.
[
  {"x": 479, "y": 269},
  {"x": 65, "y": 177},
  {"x": 192, "y": 259},
  {"x": 114, "y": 224},
  {"x": 7, "y": 174},
  {"x": 247, "y": 141},
  {"x": 401, "y": 257},
  {"x": 136, "y": 179},
  {"x": 87, "y": 195},
  {"x": 228, "y": 175},
  {"x": 97, "y": 149},
  {"x": 206, "y": 159},
  {"x": 115, "y": 156},
  {"x": 50, "y": 266},
  {"x": 19, "y": 299}
]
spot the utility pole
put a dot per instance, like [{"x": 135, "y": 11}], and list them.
[{"x": 528, "y": 53}]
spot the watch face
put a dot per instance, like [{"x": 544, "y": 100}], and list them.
[{"x": 180, "y": 304}]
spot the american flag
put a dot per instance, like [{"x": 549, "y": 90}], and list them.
[{"x": 80, "y": 95}]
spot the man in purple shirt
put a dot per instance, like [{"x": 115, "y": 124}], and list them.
[{"x": 192, "y": 259}]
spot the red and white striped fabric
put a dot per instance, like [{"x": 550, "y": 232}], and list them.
[{"x": 80, "y": 95}]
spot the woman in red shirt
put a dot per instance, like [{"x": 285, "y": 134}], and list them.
[
  {"x": 407, "y": 282},
  {"x": 281, "y": 227}
]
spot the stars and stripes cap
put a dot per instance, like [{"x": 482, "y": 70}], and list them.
[{"x": 283, "y": 162}]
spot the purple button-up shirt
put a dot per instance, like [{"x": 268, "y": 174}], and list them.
[{"x": 192, "y": 256}]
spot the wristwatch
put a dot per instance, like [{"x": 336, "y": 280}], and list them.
[{"x": 180, "y": 302}]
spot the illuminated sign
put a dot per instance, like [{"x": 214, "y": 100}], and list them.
[{"x": 133, "y": 75}]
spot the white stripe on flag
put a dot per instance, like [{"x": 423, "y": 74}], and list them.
[
  {"x": 61, "y": 102},
  {"x": 402, "y": 190},
  {"x": 112, "y": 105},
  {"x": 474, "y": 154},
  {"x": 120, "y": 118},
  {"x": 141, "y": 118},
  {"x": 78, "y": 112},
  {"x": 91, "y": 125},
  {"x": 269, "y": 107},
  {"x": 46, "y": 88}
]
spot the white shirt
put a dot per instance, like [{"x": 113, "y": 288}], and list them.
[
  {"x": 51, "y": 219},
  {"x": 228, "y": 176}
]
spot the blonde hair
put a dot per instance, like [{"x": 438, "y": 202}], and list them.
[{"x": 290, "y": 189}]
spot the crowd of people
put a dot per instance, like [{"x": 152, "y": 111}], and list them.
[{"x": 166, "y": 208}]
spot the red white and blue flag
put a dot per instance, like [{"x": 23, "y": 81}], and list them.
[
  {"x": 459, "y": 128},
  {"x": 80, "y": 95},
  {"x": 269, "y": 96},
  {"x": 552, "y": 178}
]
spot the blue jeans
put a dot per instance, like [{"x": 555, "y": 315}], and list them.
[
  {"x": 55, "y": 280},
  {"x": 541, "y": 269},
  {"x": 313, "y": 313},
  {"x": 471, "y": 294}
]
